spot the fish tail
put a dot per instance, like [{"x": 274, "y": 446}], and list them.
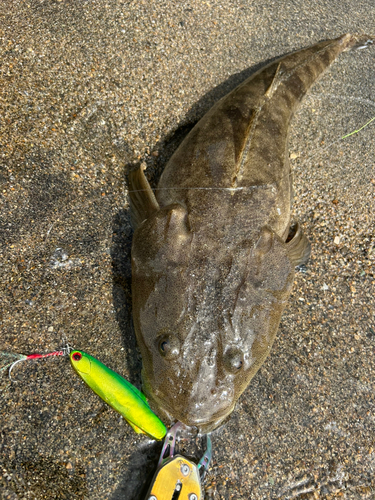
[{"x": 357, "y": 42}]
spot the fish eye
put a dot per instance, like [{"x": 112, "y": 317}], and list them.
[
  {"x": 233, "y": 360},
  {"x": 164, "y": 346},
  {"x": 169, "y": 346},
  {"x": 77, "y": 356}
]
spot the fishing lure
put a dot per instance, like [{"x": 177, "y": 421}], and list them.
[{"x": 116, "y": 391}]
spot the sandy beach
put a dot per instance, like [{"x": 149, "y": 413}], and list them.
[{"x": 87, "y": 90}]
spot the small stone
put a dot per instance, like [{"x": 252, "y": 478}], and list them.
[{"x": 337, "y": 240}]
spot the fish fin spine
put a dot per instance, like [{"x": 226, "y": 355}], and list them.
[{"x": 143, "y": 202}]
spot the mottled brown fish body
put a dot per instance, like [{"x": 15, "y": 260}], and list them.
[{"x": 211, "y": 267}]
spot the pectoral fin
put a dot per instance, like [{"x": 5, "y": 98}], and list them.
[
  {"x": 298, "y": 246},
  {"x": 142, "y": 199}
]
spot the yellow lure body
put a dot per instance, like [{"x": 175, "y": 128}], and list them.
[{"x": 120, "y": 394}]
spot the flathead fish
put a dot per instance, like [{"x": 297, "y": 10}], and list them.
[{"x": 214, "y": 252}]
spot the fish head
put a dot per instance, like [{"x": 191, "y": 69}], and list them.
[{"x": 205, "y": 316}]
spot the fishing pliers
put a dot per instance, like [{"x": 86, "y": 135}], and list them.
[{"x": 176, "y": 477}]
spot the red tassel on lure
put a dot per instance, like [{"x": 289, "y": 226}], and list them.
[{"x": 21, "y": 357}]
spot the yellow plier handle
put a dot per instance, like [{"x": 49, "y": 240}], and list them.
[{"x": 176, "y": 477}]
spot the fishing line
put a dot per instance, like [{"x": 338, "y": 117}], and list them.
[
  {"x": 308, "y": 97},
  {"x": 358, "y": 130},
  {"x": 197, "y": 188},
  {"x": 253, "y": 188}
]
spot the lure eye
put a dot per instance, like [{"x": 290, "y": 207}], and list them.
[
  {"x": 77, "y": 356},
  {"x": 169, "y": 347},
  {"x": 233, "y": 361}
]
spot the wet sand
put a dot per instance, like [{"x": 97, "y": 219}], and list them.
[{"x": 89, "y": 88}]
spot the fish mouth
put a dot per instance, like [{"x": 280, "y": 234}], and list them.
[
  {"x": 190, "y": 418},
  {"x": 206, "y": 426}
]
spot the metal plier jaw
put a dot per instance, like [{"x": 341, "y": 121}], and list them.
[{"x": 176, "y": 477}]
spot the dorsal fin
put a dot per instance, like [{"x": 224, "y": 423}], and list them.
[{"x": 142, "y": 199}]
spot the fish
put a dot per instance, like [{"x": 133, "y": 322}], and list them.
[
  {"x": 120, "y": 394},
  {"x": 214, "y": 248}
]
